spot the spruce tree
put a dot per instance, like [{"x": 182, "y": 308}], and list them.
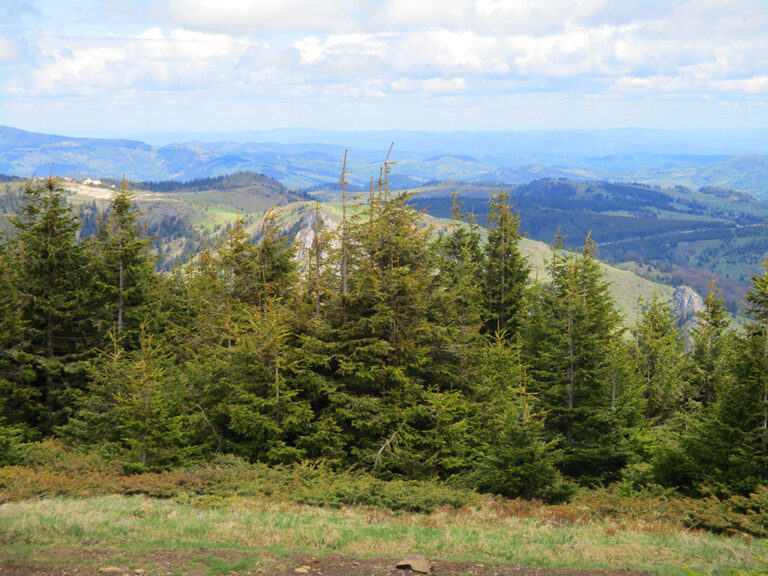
[
  {"x": 712, "y": 340},
  {"x": 461, "y": 294},
  {"x": 392, "y": 398},
  {"x": 506, "y": 268},
  {"x": 571, "y": 335},
  {"x": 516, "y": 460},
  {"x": 240, "y": 357},
  {"x": 15, "y": 399},
  {"x": 136, "y": 400},
  {"x": 736, "y": 430},
  {"x": 125, "y": 270},
  {"x": 661, "y": 362},
  {"x": 55, "y": 301}
]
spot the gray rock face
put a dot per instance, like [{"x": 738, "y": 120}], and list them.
[{"x": 685, "y": 303}]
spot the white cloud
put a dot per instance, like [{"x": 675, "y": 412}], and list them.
[
  {"x": 8, "y": 49},
  {"x": 496, "y": 17},
  {"x": 431, "y": 85},
  {"x": 252, "y": 16},
  {"x": 151, "y": 60},
  {"x": 304, "y": 51},
  {"x": 448, "y": 52}
]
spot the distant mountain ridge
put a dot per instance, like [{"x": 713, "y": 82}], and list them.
[{"x": 503, "y": 157}]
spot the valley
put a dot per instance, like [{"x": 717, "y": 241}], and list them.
[
  {"x": 243, "y": 343},
  {"x": 660, "y": 205}
]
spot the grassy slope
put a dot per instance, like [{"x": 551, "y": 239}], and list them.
[
  {"x": 210, "y": 210},
  {"x": 128, "y": 526},
  {"x": 57, "y": 500},
  {"x": 628, "y": 288}
]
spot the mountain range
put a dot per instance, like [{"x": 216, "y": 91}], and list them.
[
  {"x": 306, "y": 159},
  {"x": 672, "y": 217}
]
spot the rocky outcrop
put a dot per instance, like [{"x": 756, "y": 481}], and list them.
[{"x": 685, "y": 304}]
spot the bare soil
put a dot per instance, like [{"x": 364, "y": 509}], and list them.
[{"x": 87, "y": 562}]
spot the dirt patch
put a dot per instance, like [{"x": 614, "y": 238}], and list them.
[
  {"x": 88, "y": 562},
  {"x": 341, "y": 566}
]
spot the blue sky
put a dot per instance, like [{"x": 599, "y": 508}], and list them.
[{"x": 113, "y": 66}]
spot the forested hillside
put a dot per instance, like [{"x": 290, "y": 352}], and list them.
[
  {"x": 373, "y": 344},
  {"x": 681, "y": 235}
]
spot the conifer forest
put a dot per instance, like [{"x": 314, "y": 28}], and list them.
[{"x": 378, "y": 345}]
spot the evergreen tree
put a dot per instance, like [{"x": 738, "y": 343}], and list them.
[
  {"x": 254, "y": 401},
  {"x": 391, "y": 397},
  {"x": 125, "y": 273},
  {"x": 14, "y": 397},
  {"x": 571, "y": 335},
  {"x": 661, "y": 361},
  {"x": 275, "y": 258},
  {"x": 516, "y": 460},
  {"x": 54, "y": 303},
  {"x": 243, "y": 305},
  {"x": 461, "y": 295},
  {"x": 712, "y": 341},
  {"x": 506, "y": 268},
  {"x": 136, "y": 400},
  {"x": 735, "y": 430},
  {"x": 461, "y": 269}
]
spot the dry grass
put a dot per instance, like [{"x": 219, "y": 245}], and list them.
[{"x": 137, "y": 524}]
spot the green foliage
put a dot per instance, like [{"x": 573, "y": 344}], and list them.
[
  {"x": 367, "y": 349},
  {"x": 571, "y": 335},
  {"x": 52, "y": 293},
  {"x": 136, "y": 402},
  {"x": 724, "y": 448},
  {"x": 712, "y": 341},
  {"x": 506, "y": 269},
  {"x": 661, "y": 362},
  {"x": 387, "y": 348},
  {"x": 52, "y": 468},
  {"x": 517, "y": 460},
  {"x": 125, "y": 276}
]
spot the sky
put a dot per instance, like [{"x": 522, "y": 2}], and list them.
[{"x": 92, "y": 67}]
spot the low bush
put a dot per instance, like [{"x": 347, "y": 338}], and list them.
[{"x": 51, "y": 468}]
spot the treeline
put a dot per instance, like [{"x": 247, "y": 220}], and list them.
[
  {"x": 227, "y": 182},
  {"x": 377, "y": 346}
]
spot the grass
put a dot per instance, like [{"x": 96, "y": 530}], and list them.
[
  {"x": 58, "y": 503},
  {"x": 626, "y": 286},
  {"x": 232, "y": 535}
]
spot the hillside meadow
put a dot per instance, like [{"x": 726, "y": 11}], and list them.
[{"x": 73, "y": 511}]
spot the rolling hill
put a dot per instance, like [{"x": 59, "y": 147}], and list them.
[
  {"x": 183, "y": 217},
  {"x": 681, "y": 235},
  {"x": 306, "y": 159}
]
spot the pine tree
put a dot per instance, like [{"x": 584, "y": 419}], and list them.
[
  {"x": 516, "y": 459},
  {"x": 737, "y": 427},
  {"x": 712, "y": 341},
  {"x": 388, "y": 360},
  {"x": 15, "y": 399},
  {"x": 240, "y": 350},
  {"x": 661, "y": 361},
  {"x": 572, "y": 332},
  {"x": 258, "y": 409},
  {"x": 125, "y": 270},
  {"x": 275, "y": 258},
  {"x": 136, "y": 400},
  {"x": 54, "y": 299},
  {"x": 506, "y": 268},
  {"x": 461, "y": 294}
]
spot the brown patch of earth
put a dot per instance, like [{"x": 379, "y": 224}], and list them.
[{"x": 85, "y": 562}]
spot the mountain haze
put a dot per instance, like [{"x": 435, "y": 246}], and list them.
[{"x": 303, "y": 158}]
